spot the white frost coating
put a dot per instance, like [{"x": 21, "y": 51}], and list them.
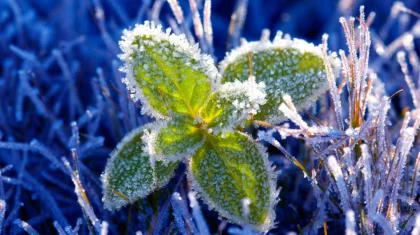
[
  {"x": 320, "y": 202},
  {"x": 367, "y": 174},
  {"x": 178, "y": 42},
  {"x": 3, "y": 206},
  {"x": 81, "y": 197},
  {"x": 197, "y": 215},
  {"x": 256, "y": 94},
  {"x": 208, "y": 29},
  {"x": 382, "y": 145},
  {"x": 350, "y": 223},
  {"x": 177, "y": 10},
  {"x": 104, "y": 228},
  {"x": 338, "y": 174},
  {"x": 332, "y": 75},
  {"x": 245, "y": 207},
  {"x": 384, "y": 224},
  {"x": 289, "y": 110},
  {"x": 372, "y": 207},
  {"x": 279, "y": 43},
  {"x": 186, "y": 146},
  {"x": 297, "y": 82},
  {"x": 404, "y": 68},
  {"x": 416, "y": 230},
  {"x": 149, "y": 138},
  {"x": 138, "y": 185},
  {"x": 238, "y": 100},
  {"x": 111, "y": 202},
  {"x": 271, "y": 215}
]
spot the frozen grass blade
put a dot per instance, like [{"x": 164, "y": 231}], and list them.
[
  {"x": 208, "y": 28},
  {"x": 331, "y": 82},
  {"x": 180, "y": 213},
  {"x": 404, "y": 68},
  {"x": 350, "y": 223},
  {"x": 197, "y": 215},
  {"x": 338, "y": 175},
  {"x": 236, "y": 24},
  {"x": 177, "y": 10},
  {"x": 25, "y": 226},
  {"x": 3, "y": 207}
]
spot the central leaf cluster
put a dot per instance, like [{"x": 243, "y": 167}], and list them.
[
  {"x": 198, "y": 112},
  {"x": 197, "y": 118}
]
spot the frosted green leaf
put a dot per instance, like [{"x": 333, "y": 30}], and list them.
[
  {"x": 292, "y": 67},
  {"x": 165, "y": 72},
  {"x": 232, "y": 105},
  {"x": 131, "y": 173},
  {"x": 164, "y": 172},
  {"x": 175, "y": 139},
  {"x": 228, "y": 171}
]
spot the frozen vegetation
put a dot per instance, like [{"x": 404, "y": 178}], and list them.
[{"x": 160, "y": 117}]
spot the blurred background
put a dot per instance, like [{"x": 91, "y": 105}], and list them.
[{"x": 60, "y": 90}]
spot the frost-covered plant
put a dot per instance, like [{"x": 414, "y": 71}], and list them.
[
  {"x": 200, "y": 112},
  {"x": 59, "y": 77}
]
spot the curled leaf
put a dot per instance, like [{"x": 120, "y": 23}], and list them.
[
  {"x": 131, "y": 173},
  {"x": 292, "y": 67},
  {"x": 226, "y": 172},
  {"x": 165, "y": 72}
]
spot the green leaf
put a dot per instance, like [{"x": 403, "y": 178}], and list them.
[
  {"x": 164, "y": 172},
  {"x": 227, "y": 171},
  {"x": 175, "y": 139},
  {"x": 292, "y": 67},
  {"x": 132, "y": 173},
  {"x": 165, "y": 72},
  {"x": 232, "y": 105}
]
